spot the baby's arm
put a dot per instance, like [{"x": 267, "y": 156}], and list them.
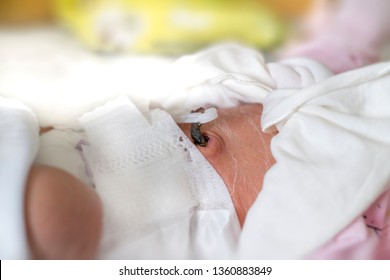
[
  {"x": 63, "y": 215},
  {"x": 353, "y": 39}
]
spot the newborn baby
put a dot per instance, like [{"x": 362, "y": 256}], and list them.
[{"x": 75, "y": 209}]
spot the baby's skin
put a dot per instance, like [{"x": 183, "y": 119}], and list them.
[
  {"x": 64, "y": 217},
  {"x": 239, "y": 151}
]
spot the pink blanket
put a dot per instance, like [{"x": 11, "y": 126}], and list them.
[{"x": 368, "y": 237}]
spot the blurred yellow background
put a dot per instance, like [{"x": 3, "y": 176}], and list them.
[{"x": 161, "y": 26}]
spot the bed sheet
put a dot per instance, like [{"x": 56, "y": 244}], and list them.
[{"x": 46, "y": 69}]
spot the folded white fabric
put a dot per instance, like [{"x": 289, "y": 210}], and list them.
[
  {"x": 331, "y": 153},
  {"x": 229, "y": 74},
  {"x": 18, "y": 147}
]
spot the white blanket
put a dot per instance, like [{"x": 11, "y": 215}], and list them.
[
  {"x": 331, "y": 150},
  {"x": 18, "y": 147}
]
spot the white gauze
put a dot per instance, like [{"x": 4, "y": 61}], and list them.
[{"x": 149, "y": 176}]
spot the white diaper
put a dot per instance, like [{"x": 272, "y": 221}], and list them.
[{"x": 162, "y": 199}]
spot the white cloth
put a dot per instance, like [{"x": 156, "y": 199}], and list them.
[
  {"x": 331, "y": 153},
  {"x": 45, "y": 69},
  {"x": 18, "y": 147},
  {"x": 60, "y": 148},
  {"x": 155, "y": 185},
  {"x": 227, "y": 75}
]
